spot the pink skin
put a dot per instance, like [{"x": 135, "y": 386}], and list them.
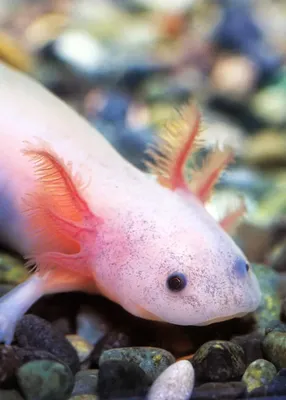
[{"x": 124, "y": 233}]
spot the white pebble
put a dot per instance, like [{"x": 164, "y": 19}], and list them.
[{"x": 175, "y": 383}]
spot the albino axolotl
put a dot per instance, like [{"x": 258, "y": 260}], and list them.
[{"x": 90, "y": 221}]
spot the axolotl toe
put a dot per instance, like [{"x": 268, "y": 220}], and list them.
[{"x": 88, "y": 220}]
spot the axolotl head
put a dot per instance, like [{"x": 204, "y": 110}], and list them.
[{"x": 182, "y": 265}]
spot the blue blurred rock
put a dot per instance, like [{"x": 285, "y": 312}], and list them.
[
  {"x": 238, "y": 31},
  {"x": 111, "y": 121}
]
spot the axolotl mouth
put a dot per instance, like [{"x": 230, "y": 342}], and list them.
[{"x": 221, "y": 319}]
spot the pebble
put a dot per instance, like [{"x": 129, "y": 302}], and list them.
[
  {"x": 251, "y": 344},
  {"x": 258, "y": 373},
  {"x": 12, "y": 270},
  {"x": 82, "y": 347},
  {"x": 218, "y": 361},
  {"x": 85, "y": 382},
  {"x": 9, "y": 362},
  {"x": 175, "y": 383},
  {"x": 269, "y": 308},
  {"x": 120, "y": 379},
  {"x": 111, "y": 340},
  {"x": 219, "y": 391},
  {"x": 45, "y": 380},
  {"x": 153, "y": 361},
  {"x": 274, "y": 348},
  {"x": 90, "y": 326},
  {"x": 277, "y": 386},
  {"x": 33, "y": 331},
  {"x": 10, "y": 395}
]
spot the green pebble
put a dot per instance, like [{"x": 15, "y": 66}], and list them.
[
  {"x": 45, "y": 380},
  {"x": 270, "y": 305},
  {"x": 12, "y": 270},
  {"x": 152, "y": 360},
  {"x": 259, "y": 373},
  {"x": 274, "y": 348}
]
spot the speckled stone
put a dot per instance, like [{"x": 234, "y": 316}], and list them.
[
  {"x": 175, "y": 383},
  {"x": 258, "y": 373},
  {"x": 82, "y": 347},
  {"x": 219, "y": 391},
  {"x": 33, "y": 331},
  {"x": 218, "y": 361},
  {"x": 85, "y": 382},
  {"x": 153, "y": 361},
  {"x": 45, "y": 380},
  {"x": 274, "y": 348},
  {"x": 121, "y": 379}
]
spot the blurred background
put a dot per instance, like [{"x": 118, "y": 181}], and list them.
[{"x": 125, "y": 65}]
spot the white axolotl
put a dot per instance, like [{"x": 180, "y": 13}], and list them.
[{"x": 90, "y": 221}]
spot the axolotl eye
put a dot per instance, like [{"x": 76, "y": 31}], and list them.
[
  {"x": 241, "y": 267},
  {"x": 176, "y": 282}
]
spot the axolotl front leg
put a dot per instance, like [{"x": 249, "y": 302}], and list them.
[
  {"x": 63, "y": 230},
  {"x": 17, "y": 302}
]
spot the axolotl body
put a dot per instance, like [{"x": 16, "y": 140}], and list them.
[{"x": 90, "y": 221}]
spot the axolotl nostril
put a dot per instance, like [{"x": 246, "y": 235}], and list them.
[{"x": 88, "y": 220}]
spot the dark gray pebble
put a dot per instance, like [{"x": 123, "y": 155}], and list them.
[
  {"x": 35, "y": 332},
  {"x": 251, "y": 345},
  {"x": 153, "y": 361},
  {"x": 45, "y": 380},
  {"x": 120, "y": 379},
  {"x": 218, "y": 361},
  {"x": 9, "y": 363},
  {"x": 10, "y": 395},
  {"x": 217, "y": 391},
  {"x": 85, "y": 382},
  {"x": 111, "y": 340}
]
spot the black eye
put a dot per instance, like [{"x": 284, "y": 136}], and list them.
[
  {"x": 176, "y": 282},
  {"x": 247, "y": 267}
]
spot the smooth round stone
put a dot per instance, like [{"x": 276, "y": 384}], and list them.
[
  {"x": 152, "y": 360},
  {"x": 36, "y": 332},
  {"x": 85, "y": 382},
  {"x": 82, "y": 347},
  {"x": 10, "y": 395},
  {"x": 258, "y": 373},
  {"x": 175, "y": 383},
  {"x": 45, "y": 380},
  {"x": 218, "y": 361},
  {"x": 219, "y": 391},
  {"x": 121, "y": 379},
  {"x": 274, "y": 348}
]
